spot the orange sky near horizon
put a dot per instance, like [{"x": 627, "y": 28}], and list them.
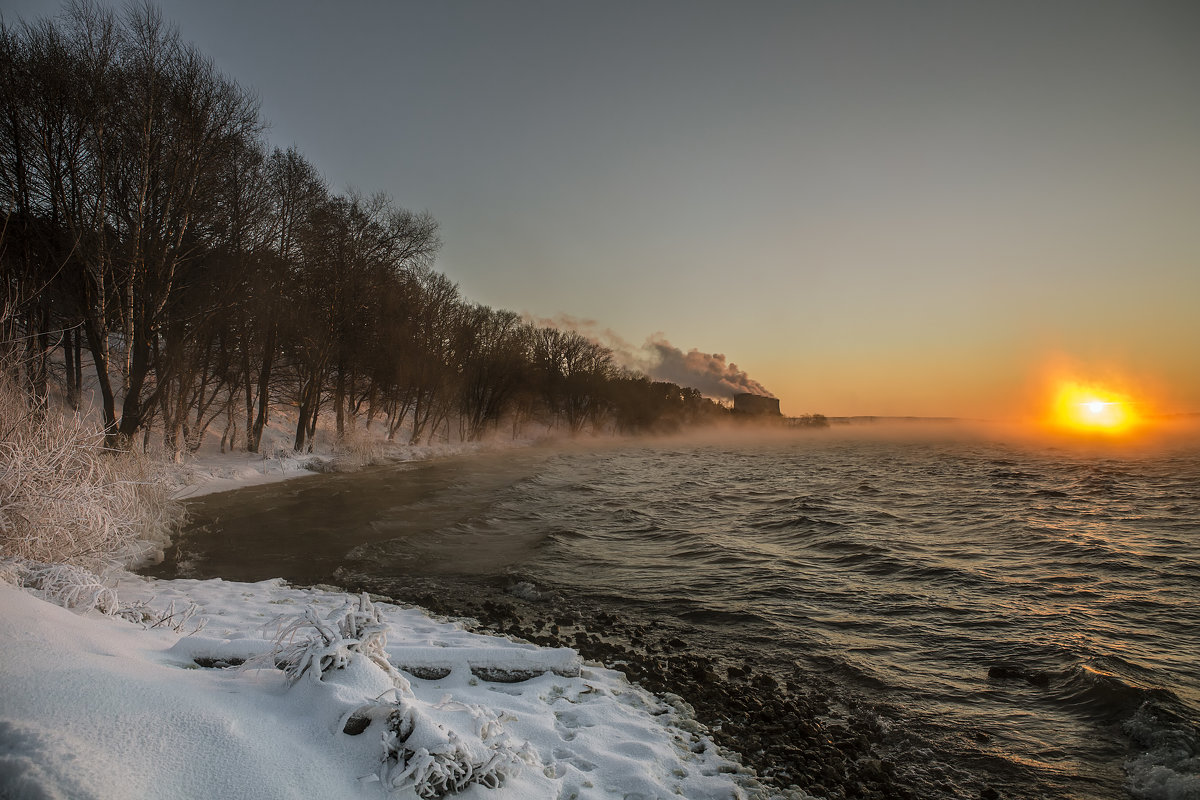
[
  {"x": 872, "y": 208},
  {"x": 1005, "y": 390}
]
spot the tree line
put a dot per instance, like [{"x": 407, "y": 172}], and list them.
[{"x": 153, "y": 240}]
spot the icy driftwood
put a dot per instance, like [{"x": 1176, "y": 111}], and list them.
[
  {"x": 435, "y": 760},
  {"x": 310, "y": 645},
  {"x": 433, "y": 757},
  {"x": 495, "y": 664},
  {"x": 357, "y": 629}
]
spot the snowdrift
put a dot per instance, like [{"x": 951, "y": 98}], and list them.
[{"x": 301, "y": 693}]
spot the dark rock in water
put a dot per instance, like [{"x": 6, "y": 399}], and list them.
[
  {"x": 988, "y": 793},
  {"x": 766, "y": 681},
  {"x": 1000, "y": 672},
  {"x": 1003, "y": 672}
]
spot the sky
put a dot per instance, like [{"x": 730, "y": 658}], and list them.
[{"x": 917, "y": 208}]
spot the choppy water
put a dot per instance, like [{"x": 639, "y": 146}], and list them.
[{"x": 1013, "y": 617}]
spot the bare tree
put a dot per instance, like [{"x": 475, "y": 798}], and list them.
[
  {"x": 57, "y": 104},
  {"x": 573, "y": 371},
  {"x": 294, "y": 190},
  {"x": 491, "y": 350},
  {"x": 180, "y": 120},
  {"x": 432, "y": 372}
]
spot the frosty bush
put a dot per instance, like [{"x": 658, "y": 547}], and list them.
[
  {"x": 65, "y": 499},
  {"x": 82, "y": 591},
  {"x": 419, "y": 754},
  {"x": 310, "y": 645},
  {"x": 65, "y": 585},
  {"x": 357, "y": 448},
  {"x": 433, "y": 761},
  {"x": 171, "y": 618}
]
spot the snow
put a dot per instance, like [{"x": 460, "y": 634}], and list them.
[
  {"x": 97, "y": 706},
  {"x": 173, "y": 689},
  {"x": 209, "y": 471}
]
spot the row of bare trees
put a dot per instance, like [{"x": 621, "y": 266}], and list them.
[{"x": 149, "y": 230}]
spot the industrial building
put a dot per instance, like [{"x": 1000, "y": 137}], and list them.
[{"x": 756, "y": 405}]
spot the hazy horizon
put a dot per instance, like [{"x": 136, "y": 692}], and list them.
[{"x": 925, "y": 209}]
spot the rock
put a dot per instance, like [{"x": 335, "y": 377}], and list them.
[{"x": 356, "y": 724}]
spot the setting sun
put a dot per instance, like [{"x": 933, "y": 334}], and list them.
[{"x": 1089, "y": 408}]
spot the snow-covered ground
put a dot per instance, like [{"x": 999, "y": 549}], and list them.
[
  {"x": 183, "y": 689},
  {"x": 95, "y": 705},
  {"x": 209, "y": 472}
]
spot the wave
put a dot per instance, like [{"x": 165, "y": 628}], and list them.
[
  {"x": 1109, "y": 688},
  {"x": 1105, "y": 689},
  {"x": 799, "y": 523},
  {"x": 1168, "y": 764}
]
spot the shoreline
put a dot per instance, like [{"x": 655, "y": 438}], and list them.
[
  {"x": 784, "y": 728},
  {"x": 214, "y": 473},
  {"x": 100, "y": 704},
  {"x": 81, "y": 678},
  {"x": 773, "y": 724}
]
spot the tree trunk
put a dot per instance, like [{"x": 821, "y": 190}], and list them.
[
  {"x": 132, "y": 409},
  {"x": 69, "y": 359},
  {"x": 302, "y": 422},
  {"x": 78, "y": 369},
  {"x": 312, "y": 422},
  {"x": 254, "y": 432},
  {"x": 339, "y": 401},
  {"x": 97, "y": 337}
]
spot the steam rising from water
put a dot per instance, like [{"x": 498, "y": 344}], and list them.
[{"x": 663, "y": 361}]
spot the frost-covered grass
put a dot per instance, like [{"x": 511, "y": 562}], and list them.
[
  {"x": 97, "y": 706},
  {"x": 65, "y": 499}
]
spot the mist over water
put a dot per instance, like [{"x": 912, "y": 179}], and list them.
[{"x": 1021, "y": 617}]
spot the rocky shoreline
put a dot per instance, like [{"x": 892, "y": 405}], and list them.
[{"x": 778, "y": 724}]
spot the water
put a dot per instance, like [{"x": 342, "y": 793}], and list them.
[{"x": 981, "y": 615}]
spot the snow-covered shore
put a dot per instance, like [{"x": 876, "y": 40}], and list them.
[
  {"x": 127, "y": 702},
  {"x": 210, "y": 472},
  {"x": 97, "y": 706}
]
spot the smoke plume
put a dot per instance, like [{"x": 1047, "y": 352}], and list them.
[
  {"x": 624, "y": 353},
  {"x": 710, "y": 373},
  {"x": 663, "y": 361}
]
